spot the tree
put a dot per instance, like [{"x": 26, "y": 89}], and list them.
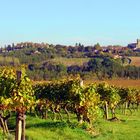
[
  {"x": 95, "y": 65},
  {"x": 97, "y": 47}
]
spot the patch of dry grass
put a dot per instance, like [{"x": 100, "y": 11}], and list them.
[
  {"x": 70, "y": 61},
  {"x": 135, "y": 61},
  {"x": 118, "y": 82}
]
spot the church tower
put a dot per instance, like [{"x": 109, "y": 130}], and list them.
[{"x": 138, "y": 43}]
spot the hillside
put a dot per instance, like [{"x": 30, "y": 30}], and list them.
[{"x": 48, "y": 62}]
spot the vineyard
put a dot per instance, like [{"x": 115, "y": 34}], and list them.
[{"x": 66, "y": 103}]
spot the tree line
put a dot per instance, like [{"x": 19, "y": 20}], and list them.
[
  {"x": 28, "y": 52},
  {"x": 101, "y": 67},
  {"x": 98, "y": 67}
]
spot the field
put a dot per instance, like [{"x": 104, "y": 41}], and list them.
[
  {"x": 135, "y": 61},
  {"x": 70, "y": 61},
  {"x": 126, "y": 129},
  {"x": 79, "y": 61},
  {"x": 118, "y": 82}
]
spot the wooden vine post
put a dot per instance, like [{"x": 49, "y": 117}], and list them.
[
  {"x": 106, "y": 110},
  {"x": 19, "y": 116},
  {"x": 22, "y": 107}
]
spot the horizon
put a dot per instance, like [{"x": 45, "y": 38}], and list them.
[
  {"x": 60, "y": 22},
  {"x": 15, "y": 43}
]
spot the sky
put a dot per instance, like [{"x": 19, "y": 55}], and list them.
[{"x": 109, "y": 22}]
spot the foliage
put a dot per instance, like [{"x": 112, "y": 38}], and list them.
[
  {"x": 90, "y": 100},
  {"x": 108, "y": 93},
  {"x": 15, "y": 95}
]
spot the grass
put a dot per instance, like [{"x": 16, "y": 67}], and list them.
[
  {"x": 39, "y": 129},
  {"x": 42, "y": 130},
  {"x": 71, "y": 61},
  {"x": 126, "y": 130}
]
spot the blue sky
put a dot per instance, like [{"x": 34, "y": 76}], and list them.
[{"x": 70, "y": 21}]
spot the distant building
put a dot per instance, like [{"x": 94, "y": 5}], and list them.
[{"x": 134, "y": 45}]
